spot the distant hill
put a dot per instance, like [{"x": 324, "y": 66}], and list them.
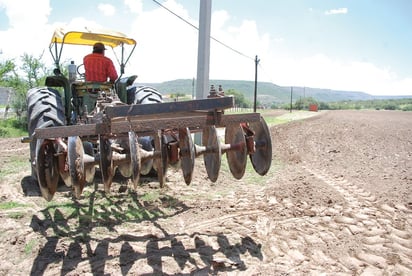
[{"x": 269, "y": 93}]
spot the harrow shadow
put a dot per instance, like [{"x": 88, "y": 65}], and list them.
[{"x": 73, "y": 229}]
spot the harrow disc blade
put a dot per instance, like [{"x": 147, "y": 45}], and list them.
[
  {"x": 47, "y": 168},
  {"x": 134, "y": 158},
  {"x": 160, "y": 161},
  {"x": 75, "y": 152},
  {"x": 236, "y": 157},
  {"x": 187, "y": 154},
  {"x": 262, "y": 157},
  {"x": 125, "y": 170},
  {"x": 90, "y": 169},
  {"x": 106, "y": 162},
  {"x": 146, "y": 166},
  {"x": 213, "y": 155}
]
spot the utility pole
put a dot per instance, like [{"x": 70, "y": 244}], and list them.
[
  {"x": 291, "y": 93},
  {"x": 193, "y": 88},
  {"x": 203, "y": 52},
  {"x": 255, "y": 97}
]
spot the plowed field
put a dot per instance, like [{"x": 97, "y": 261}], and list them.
[{"x": 336, "y": 201}]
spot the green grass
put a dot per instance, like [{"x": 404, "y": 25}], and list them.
[
  {"x": 272, "y": 120},
  {"x": 11, "y": 205},
  {"x": 12, "y": 127},
  {"x": 66, "y": 208},
  {"x": 28, "y": 248},
  {"x": 150, "y": 196},
  {"x": 16, "y": 215}
]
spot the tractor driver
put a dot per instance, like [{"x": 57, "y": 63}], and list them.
[{"x": 98, "y": 67}]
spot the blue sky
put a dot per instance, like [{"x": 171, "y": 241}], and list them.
[{"x": 358, "y": 45}]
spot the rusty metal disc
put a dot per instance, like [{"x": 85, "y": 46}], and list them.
[
  {"x": 262, "y": 157},
  {"x": 213, "y": 155},
  {"x": 134, "y": 158},
  {"x": 75, "y": 152},
  {"x": 106, "y": 162},
  {"x": 145, "y": 144},
  {"x": 89, "y": 168},
  {"x": 187, "y": 154},
  {"x": 125, "y": 168},
  {"x": 237, "y": 155},
  {"x": 47, "y": 168},
  {"x": 160, "y": 161}
]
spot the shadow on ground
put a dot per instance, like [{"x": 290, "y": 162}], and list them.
[{"x": 71, "y": 228}]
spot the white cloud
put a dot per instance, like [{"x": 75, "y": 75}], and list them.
[
  {"x": 135, "y": 6},
  {"x": 166, "y": 46},
  {"x": 20, "y": 14},
  {"x": 320, "y": 71},
  {"x": 337, "y": 11},
  {"x": 25, "y": 33},
  {"x": 167, "y": 49},
  {"x": 107, "y": 9}
]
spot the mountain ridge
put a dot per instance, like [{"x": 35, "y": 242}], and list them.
[{"x": 268, "y": 93}]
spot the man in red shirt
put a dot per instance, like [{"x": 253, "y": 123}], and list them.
[{"x": 98, "y": 67}]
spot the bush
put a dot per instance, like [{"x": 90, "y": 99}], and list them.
[
  {"x": 4, "y": 133},
  {"x": 407, "y": 107},
  {"x": 13, "y": 127}
]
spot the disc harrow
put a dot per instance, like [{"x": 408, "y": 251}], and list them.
[{"x": 109, "y": 139}]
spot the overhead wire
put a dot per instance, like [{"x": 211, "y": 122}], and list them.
[{"x": 197, "y": 28}]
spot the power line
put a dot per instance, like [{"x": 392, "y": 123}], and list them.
[{"x": 216, "y": 40}]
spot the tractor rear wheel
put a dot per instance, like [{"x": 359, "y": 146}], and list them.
[
  {"x": 45, "y": 109},
  {"x": 143, "y": 95}
]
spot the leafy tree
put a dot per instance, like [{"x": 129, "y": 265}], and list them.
[
  {"x": 31, "y": 73},
  {"x": 240, "y": 100},
  {"x": 6, "y": 68},
  {"x": 303, "y": 103},
  {"x": 178, "y": 96},
  {"x": 34, "y": 70}
]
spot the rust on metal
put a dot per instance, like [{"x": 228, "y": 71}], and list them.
[
  {"x": 173, "y": 107},
  {"x": 143, "y": 125}
]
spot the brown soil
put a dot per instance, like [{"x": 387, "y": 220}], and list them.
[{"x": 337, "y": 201}]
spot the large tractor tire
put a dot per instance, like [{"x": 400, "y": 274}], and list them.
[
  {"x": 144, "y": 95},
  {"x": 45, "y": 109}
]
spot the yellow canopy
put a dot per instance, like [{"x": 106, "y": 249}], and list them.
[{"x": 90, "y": 37}]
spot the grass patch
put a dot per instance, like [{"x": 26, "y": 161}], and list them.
[
  {"x": 16, "y": 215},
  {"x": 28, "y": 248},
  {"x": 12, "y": 127},
  {"x": 275, "y": 120},
  {"x": 151, "y": 196},
  {"x": 11, "y": 205},
  {"x": 65, "y": 208}
]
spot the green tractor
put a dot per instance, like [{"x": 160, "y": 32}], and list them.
[{"x": 75, "y": 126}]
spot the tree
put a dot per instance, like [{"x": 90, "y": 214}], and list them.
[
  {"x": 32, "y": 73},
  {"x": 303, "y": 103},
  {"x": 240, "y": 100},
  {"x": 34, "y": 70},
  {"x": 6, "y": 71}
]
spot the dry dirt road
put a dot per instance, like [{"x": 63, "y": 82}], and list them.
[{"x": 337, "y": 201}]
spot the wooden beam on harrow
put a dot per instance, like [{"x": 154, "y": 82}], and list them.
[
  {"x": 210, "y": 104},
  {"x": 146, "y": 124},
  {"x": 73, "y": 130}
]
